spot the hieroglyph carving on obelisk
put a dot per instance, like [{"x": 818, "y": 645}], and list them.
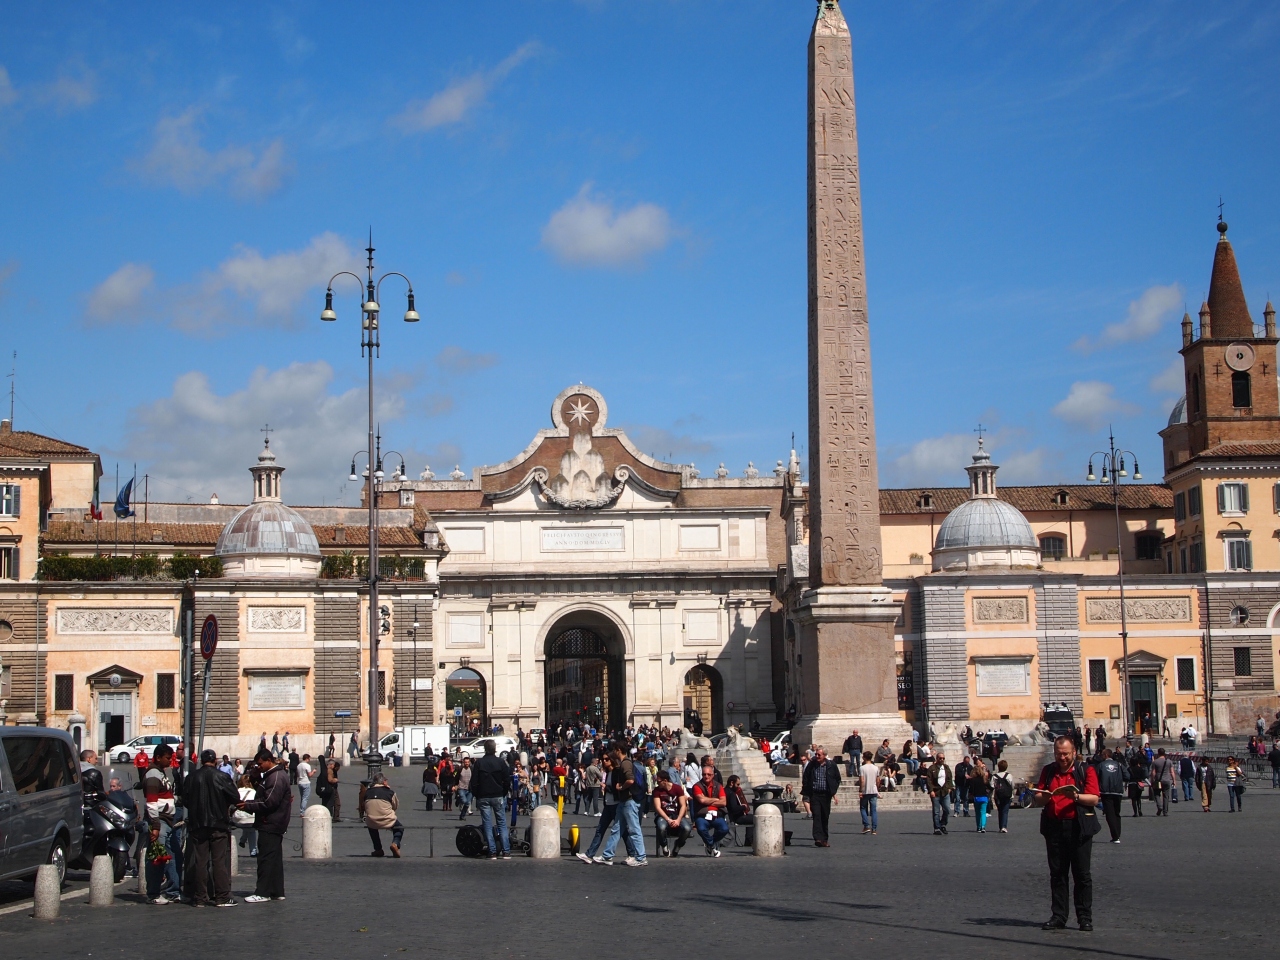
[{"x": 844, "y": 540}]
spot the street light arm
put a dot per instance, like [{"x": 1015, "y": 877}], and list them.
[{"x": 345, "y": 273}]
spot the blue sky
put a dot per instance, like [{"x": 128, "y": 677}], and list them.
[{"x": 614, "y": 193}]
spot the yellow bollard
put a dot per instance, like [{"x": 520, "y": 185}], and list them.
[
  {"x": 560, "y": 801},
  {"x": 575, "y": 839}
]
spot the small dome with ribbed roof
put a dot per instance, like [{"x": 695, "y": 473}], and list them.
[
  {"x": 984, "y": 531},
  {"x": 267, "y": 538}
]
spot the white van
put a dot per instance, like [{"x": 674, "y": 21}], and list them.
[{"x": 411, "y": 742}]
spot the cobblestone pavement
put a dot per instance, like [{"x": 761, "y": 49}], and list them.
[{"x": 1189, "y": 885}]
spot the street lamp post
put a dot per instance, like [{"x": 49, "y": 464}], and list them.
[
  {"x": 1113, "y": 471},
  {"x": 370, "y": 347}
]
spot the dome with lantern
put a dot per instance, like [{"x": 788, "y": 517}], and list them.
[
  {"x": 267, "y": 538},
  {"x": 984, "y": 531}
]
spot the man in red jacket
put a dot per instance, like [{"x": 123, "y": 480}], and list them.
[{"x": 1068, "y": 792}]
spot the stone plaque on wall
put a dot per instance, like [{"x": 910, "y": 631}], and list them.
[
  {"x": 115, "y": 620},
  {"x": 276, "y": 691},
  {"x": 277, "y": 619},
  {"x": 1139, "y": 609},
  {"x": 581, "y": 538},
  {"x": 1003, "y": 677},
  {"x": 1000, "y": 609}
]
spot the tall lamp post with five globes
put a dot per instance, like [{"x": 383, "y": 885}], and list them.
[
  {"x": 1113, "y": 471},
  {"x": 370, "y": 347}
]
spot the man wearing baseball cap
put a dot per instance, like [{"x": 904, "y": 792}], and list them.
[{"x": 209, "y": 796}]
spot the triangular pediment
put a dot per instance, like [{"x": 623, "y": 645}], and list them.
[
  {"x": 1142, "y": 660},
  {"x": 127, "y": 677}
]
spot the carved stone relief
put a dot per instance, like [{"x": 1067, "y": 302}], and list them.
[
  {"x": 1000, "y": 609},
  {"x": 115, "y": 620},
  {"x": 1148, "y": 609},
  {"x": 277, "y": 619}
]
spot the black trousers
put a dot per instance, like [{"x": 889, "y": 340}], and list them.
[
  {"x": 1111, "y": 807},
  {"x": 209, "y": 845},
  {"x": 270, "y": 865},
  {"x": 1070, "y": 857},
  {"x": 820, "y": 804}
]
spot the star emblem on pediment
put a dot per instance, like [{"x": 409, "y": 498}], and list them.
[{"x": 580, "y": 412}]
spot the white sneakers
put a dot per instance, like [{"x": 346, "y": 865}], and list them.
[
  {"x": 633, "y": 862},
  {"x": 583, "y": 857},
  {"x": 254, "y": 898}
]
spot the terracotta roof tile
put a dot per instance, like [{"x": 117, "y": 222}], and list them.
[
  {"x": 205, "y": 535},
  {"x": 1133, "y": 496},
  {"x": 1241, "y": 448},
  {"x": 1228, "y": 312},
  {"x": 24, "y": 443}
]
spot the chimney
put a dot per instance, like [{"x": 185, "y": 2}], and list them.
[
  {"x": 1269, "y": 315},
  {"x": 1188, "y": 334},
  {"x": 1206, "y": 330},
  {"x": 6, "y": 426}
]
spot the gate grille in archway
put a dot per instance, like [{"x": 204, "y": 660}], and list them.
[{"x": 581, "y": 674}]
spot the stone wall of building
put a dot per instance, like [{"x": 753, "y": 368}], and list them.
[{"x": 336, "y": 685}]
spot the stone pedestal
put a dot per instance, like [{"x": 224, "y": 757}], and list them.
[
  {"x": 317, "y": 833},
  {"x": 48, "y": 897},
  {"x": 544, "y": 833},
  {"x": 102, "y": 883},
  {"x": 847, "y": 668},
  {"x": 769, "y": 839}
]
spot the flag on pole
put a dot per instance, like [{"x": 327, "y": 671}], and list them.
[
  {"x": 95, "y": 505},
  {"x": 122, "y": 508}
]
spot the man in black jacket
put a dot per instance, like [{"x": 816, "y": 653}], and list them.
[
  {"x": 490, "y": 782},
  {"x": 1112, "y": 775},
  {"x": 271, "y": 811},
  {"x": 209, "y": 795},
  {"x": 852, "y": 750},
  {"x": 820, "y": 783}
]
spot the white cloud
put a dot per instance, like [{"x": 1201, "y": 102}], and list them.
[
  {"x": 590, "y": 232},
  {"x": 458, "y": 99},
  {"x": 940, "y": 461},
  {"x": 68, "y": 92},
  {"x": 122, "y": 295},
  {"x": 178, "y": 158},
  {"x": 7, "y": 270},
  {"x": 1090, "y": 403},
  {"x": 8, "y": 94},
  {"x": 1146, "y": 316},
  {"x": 196, "y": 442},
  {"x": 664, "y": 444},
  {"x": 1172, "y": 379}
]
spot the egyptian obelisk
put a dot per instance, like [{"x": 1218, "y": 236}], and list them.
[{"x": 846, "y": 617}]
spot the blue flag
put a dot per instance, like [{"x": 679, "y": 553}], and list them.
[{"x": 122, "y": 501}]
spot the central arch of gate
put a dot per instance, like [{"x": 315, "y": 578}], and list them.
[{"x": 584, "y": 673}]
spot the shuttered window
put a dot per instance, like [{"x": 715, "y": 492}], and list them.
[{"x": 10, "y": 500}]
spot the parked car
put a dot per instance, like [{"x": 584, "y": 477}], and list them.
[
  {"x": 539, "y": 734},
  {"x": 475, "y": 748},
  {"x": 41, "y": 805},
  {"x": 1059, "y": 718},
  {"x": 125, "y": 752}
]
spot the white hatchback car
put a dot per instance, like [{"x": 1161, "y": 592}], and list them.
[
  {"x": 475, "y": 748},
  {"x": 125, "y": 752}
]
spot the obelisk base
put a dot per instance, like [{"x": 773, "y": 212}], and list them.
[{"x": 847, "y": 667}]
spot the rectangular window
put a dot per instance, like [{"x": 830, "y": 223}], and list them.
[
  {"x": 37, "y": 763},
  {"x": 1275, "y": 497},
  {"x": 1097, "y": 676},
  {"x": 9, "y": 568},
  {"x": 1053, "y": 548},
  {"x": 1233, "y": 498},
  {"x": 64, "y": 691},
  {"x": 10, "y": 500},
  {"x": 1147, "y": 545},
  {"x": 1197, "y": 557},
  {"x": 1179, "y": 506},
  {"x": 1186, "y": 674},
  {"x": 1244, "y": 661},
  {"x": 6, "y": 683},
  {"x": 1168, "y": 562},
  {"x": 1194, "y": 507},
  {"x": 165, "y": 690},
  {"x": 1241, "y": 390},
  {"x": 1239, "y": 553},
  {"x": 382, "y": 688},
  {"x": 1182, "y": 555}
]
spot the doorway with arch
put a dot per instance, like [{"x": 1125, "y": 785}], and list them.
[
  {"x": 704, "y": 701},
  {"x": 584, "y": 674},
  {"x": 466, "y": 704}
]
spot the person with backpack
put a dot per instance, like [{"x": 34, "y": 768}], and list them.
[
  {"x": 629, "y": 787},
  {"x": 1111, "y": 781},
  {"x": 1002, "y": 793},
  {"x": 1162, "y": 781},
  {"x": 1067, "y": 793}
]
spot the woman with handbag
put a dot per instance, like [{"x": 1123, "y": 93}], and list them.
[
  {"x": 430, "y": 784},
  {"x": 1137, "y": 783},
  {"x": 1235, "y": 785}
]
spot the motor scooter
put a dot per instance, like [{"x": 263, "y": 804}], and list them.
[{"x": 107, "y": 830}]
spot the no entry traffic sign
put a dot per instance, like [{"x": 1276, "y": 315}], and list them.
[{"x": 209, "y": 637}]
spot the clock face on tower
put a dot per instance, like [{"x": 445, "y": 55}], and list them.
[{"x": 1239, "y": 356}]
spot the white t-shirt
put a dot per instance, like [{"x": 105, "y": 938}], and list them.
[
  {"x": 867, "y": 775},
  {"x": 304, "y": 774}
]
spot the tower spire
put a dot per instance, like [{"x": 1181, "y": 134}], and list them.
[{"x": 1226, "y": 303}]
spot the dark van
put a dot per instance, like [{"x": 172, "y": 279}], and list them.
[{"x": 41, "y": 815}]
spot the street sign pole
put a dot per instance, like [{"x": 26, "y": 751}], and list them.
[{"x": 208, "y": 646}]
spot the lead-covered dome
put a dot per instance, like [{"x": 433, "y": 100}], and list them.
[
  {"x": 267, "y": 538},
  {"x": 1179, "y": 412},
  {"x": 984, "y": 531}
]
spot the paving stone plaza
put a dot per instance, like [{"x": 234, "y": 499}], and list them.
[{"x": 1189, "y": 885}]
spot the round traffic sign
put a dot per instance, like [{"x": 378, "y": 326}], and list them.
[{"x": 209, "y": 637}]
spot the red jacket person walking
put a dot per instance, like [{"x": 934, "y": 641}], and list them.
[{"x": 1068, "y": 792}]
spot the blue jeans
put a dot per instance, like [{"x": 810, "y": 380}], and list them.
[
  {"x": 491, "y": 809},
  {"x": 304, "y": 795},
  {"x": 163, "y": 880},
  {"x": 712, "y": 831},
  {"x": 867, "y": 804},
  {"x": 1187, "y": 784},
  {"x": 629, "y": 815},
  {"x": 1275, "y": 779},
  {"x": 608, "y": 825},
  {"x": 957, "y": 803},
  {"x": 1235, "y": 798},
  {"x": 464, "y": 803},
  {"x": 1003, "y": 810},
  {"x": 941, "y": 812}
]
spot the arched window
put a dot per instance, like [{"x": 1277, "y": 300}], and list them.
[
  {"x": 1053, "y": 547},
  {"x": 1193, "y": 397},
  {"x": 1241, "y": 390}
]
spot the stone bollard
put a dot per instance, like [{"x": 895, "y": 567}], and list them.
[
  {"x": 544, "y": 837},
  {"x": 768, "y": 840},
  {"x": 48, "y": 893},
  {"x": 235, "y": 855},
  {"x": 102, "y": 883},
  {"x": 317, "y": 833}
]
